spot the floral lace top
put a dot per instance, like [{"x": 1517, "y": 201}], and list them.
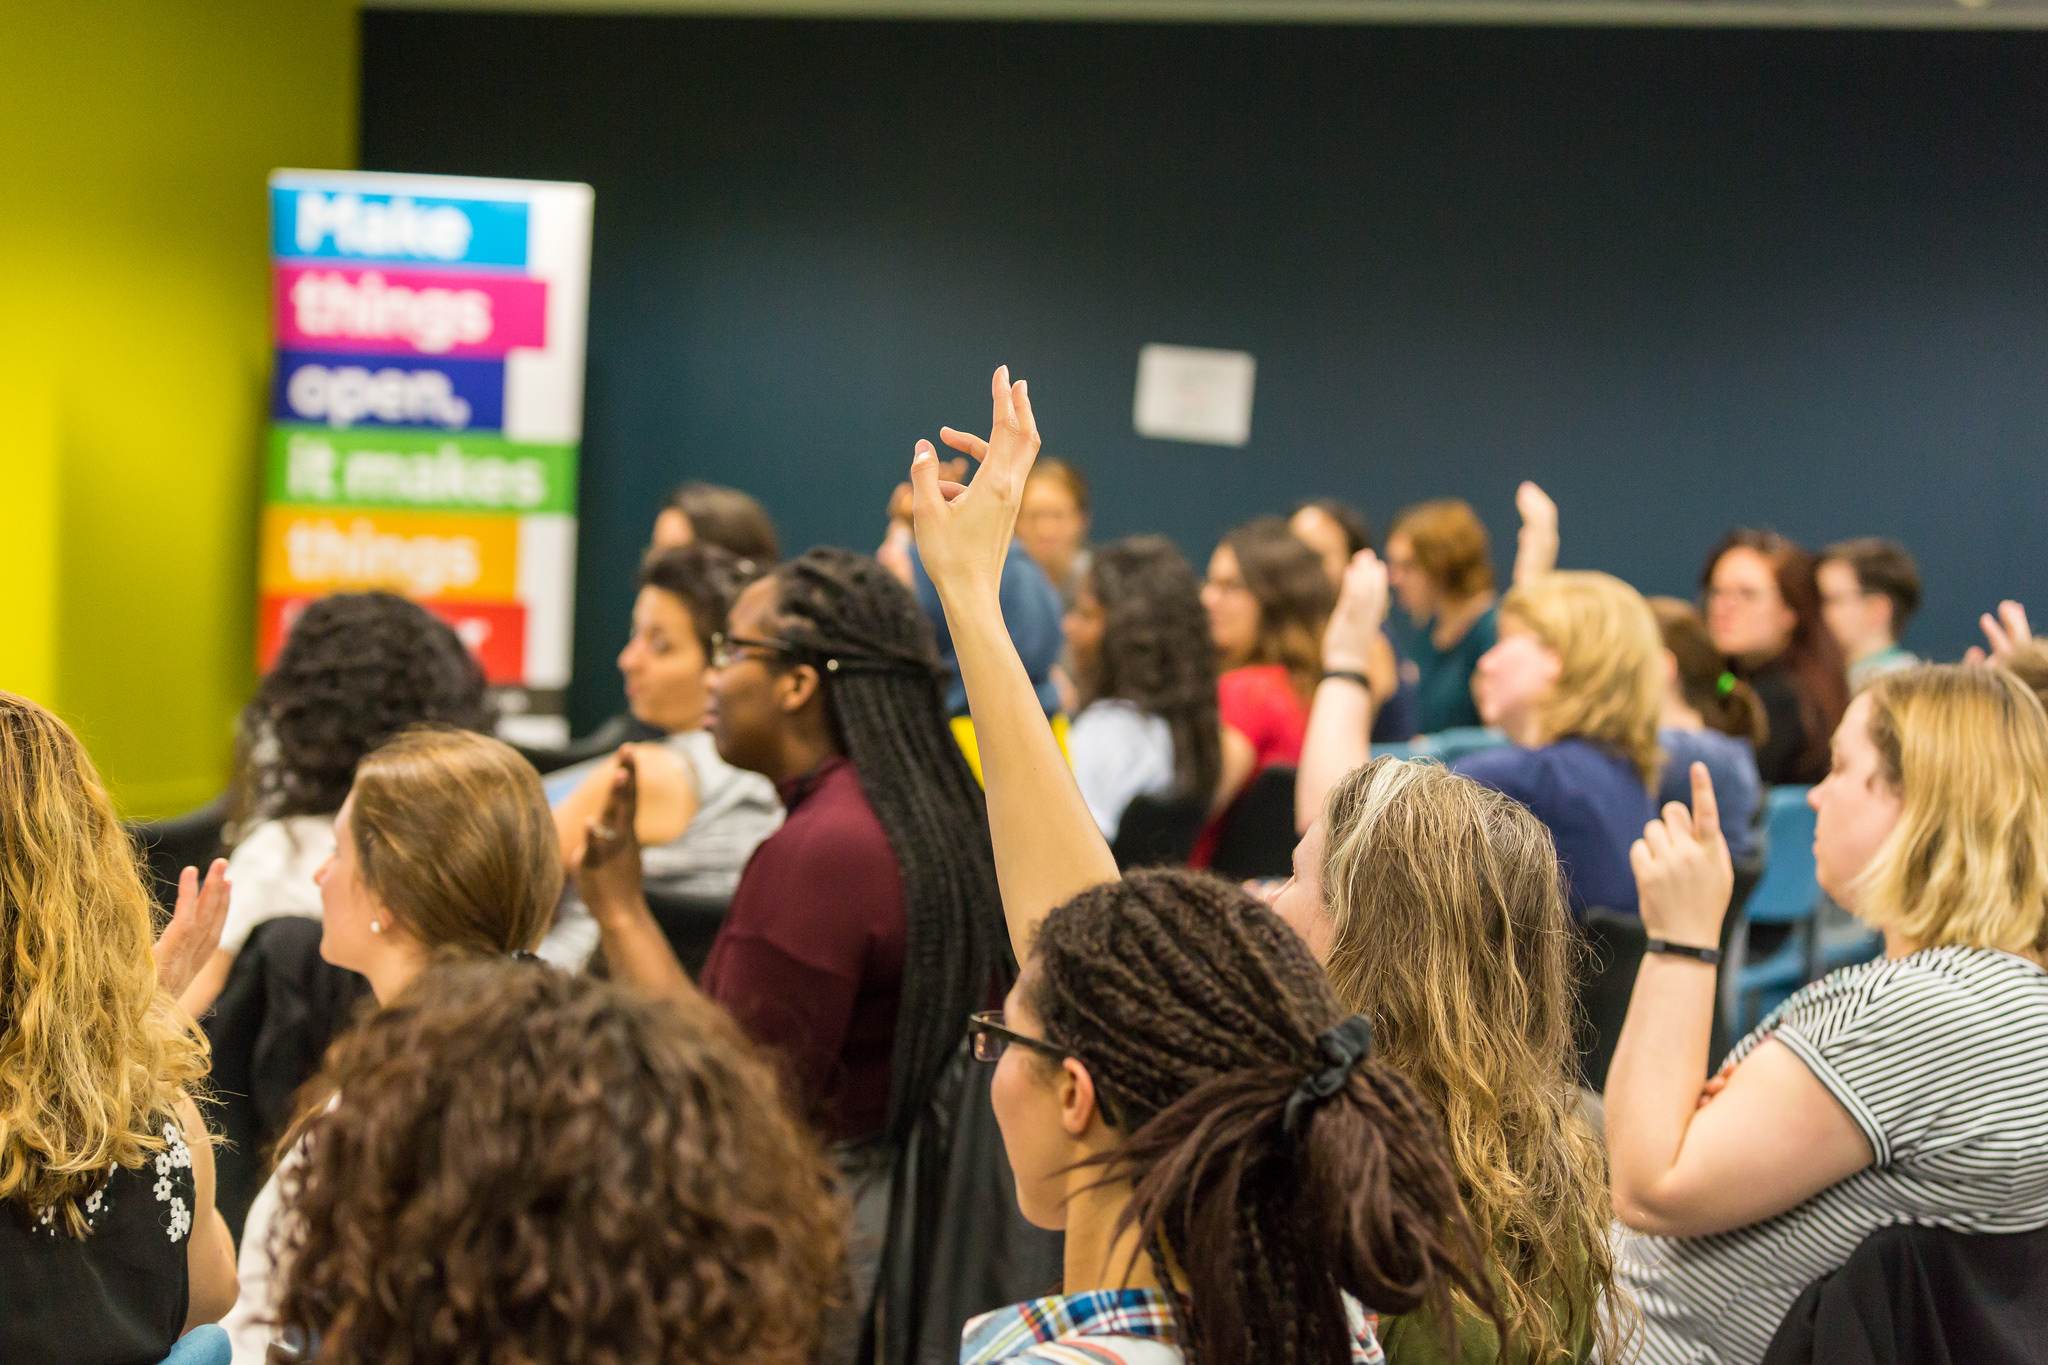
[{"x": 117, "y": 1295}]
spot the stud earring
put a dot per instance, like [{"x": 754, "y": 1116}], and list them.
[{"x": 376, "y": 926}]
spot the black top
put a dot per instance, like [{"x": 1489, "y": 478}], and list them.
[
  {"x": 116, "y": 1296},
  {"x": 1781, "y": 756}
]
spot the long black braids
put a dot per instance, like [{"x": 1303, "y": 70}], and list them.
[
  {"x": 1199, "y": 1014},
  {"x": 878, "y": 666}
]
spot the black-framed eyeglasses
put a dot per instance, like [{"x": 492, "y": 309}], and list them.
[
  {"x": 990, "y": 1036},
  {"x": 725, "y": 649}
]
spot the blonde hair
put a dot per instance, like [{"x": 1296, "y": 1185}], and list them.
[
  {"x": 93, "y": 1057},
  {"x": 1967, "y": 751},
  {"x": 1450, "y": 544},
  {"x": 454, "y": 836},
  {"x": 1451, "y": 932},
  {"x": 1611, "y": 689}
]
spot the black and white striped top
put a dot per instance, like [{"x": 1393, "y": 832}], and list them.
[{"x": 1941, "y": 1057}]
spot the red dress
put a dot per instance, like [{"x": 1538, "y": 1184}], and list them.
[{"x": 1260, "y": 703}]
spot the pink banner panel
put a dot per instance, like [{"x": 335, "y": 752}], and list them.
[{"x": 425, "y": 312}]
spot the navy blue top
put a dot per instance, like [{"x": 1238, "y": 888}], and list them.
[
  {"x": 1592, "y": 798},
  {"x": 1738, "y": 791},
  {"x": 1396, "y": 721},
  {"x": 1031, "y": 609}
]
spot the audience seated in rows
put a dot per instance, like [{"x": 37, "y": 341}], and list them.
[
  {"x": 700, "y": 818},
  {"x": 1368, "y": 901},
  {"x": 444, "y": 849},
  {"x": 1869, "y": 589},
  {"x": 1907, "y": 1089},
  {"x": 1146, "y": 723},
  {"x": 110, "y": 1245},
  {"x": 1762, "y": 602},
  {"x": 529, "y": 1165},
  {"x": 1709, "y": 716}
]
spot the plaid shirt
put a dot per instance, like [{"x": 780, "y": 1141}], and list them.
[{"x": 1106, "y": 1327}]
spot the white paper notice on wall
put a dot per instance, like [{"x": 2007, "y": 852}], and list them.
[{"x": 1192, "y": 393}]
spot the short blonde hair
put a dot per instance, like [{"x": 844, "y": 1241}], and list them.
[
  {"x": 1450, "y": 544},
  {"x": 93, "y": 1056},
  {"x": 1612, "y": 687},
  {"x": 1967, "y": 864}
]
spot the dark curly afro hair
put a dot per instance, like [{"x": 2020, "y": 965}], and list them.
[
  {"x": 357, "y": 668},
  {"x": 525, "y": 1165}
]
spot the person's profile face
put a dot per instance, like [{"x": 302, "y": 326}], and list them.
[
  {"x": 1746, "y": 614},
  {"x": 663, "y": 664},
  {"x": 1083, "y": 626},
  {"x": 1320, "y": 532},
  {"x": 744, "y": 716},
  {"x": 1855, "y": 809},
  {"x": 1025, "y": 1093},
  {"x": 347, "y": 906},
  {"x": 1299, "y": 901},
  {"x": 1233, "y": 610},
  {"x": 1515, "y": 678},
  {"x": 1051, "y": 526},
  {"x": 1859, "y": 621},
  {"x": 1412, "y": 585}
]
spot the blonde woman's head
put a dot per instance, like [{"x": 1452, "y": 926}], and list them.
[
  {"x": 1579, "y": 655},
  {"x": 92, "y": 1055},
  {"x": 1933, "y": 821},
  {"x": 1437, "y": 907}
]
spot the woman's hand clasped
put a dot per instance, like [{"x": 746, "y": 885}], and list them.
[
  {"x": 963, "y": 531},
  {"x": 1683, "y": 875}
]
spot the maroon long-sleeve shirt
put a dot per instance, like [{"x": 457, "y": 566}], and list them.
[{"x": 810, "y": 959}]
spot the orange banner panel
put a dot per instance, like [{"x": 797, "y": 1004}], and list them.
[{"x": 309, "y": 550}]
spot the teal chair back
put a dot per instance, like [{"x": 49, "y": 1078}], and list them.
[{"x": 1788, "y": 892}]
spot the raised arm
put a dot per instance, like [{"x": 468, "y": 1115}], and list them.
[
  {"x": 1766, "y": 1139},
  {"x": 608, "y": 878},
  {"x": 1536, "y": 543},
  {"x": 1047, "y": 846},
  {"x": 1339, "y": 736}
]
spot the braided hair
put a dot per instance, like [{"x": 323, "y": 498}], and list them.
[
  {"x": 1156, "y": 652},
  {"x": 1198, "y": 1014},
  {"x": 878, "y": 671}
]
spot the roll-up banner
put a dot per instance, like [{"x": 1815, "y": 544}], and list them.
[{"x": 426, "y": 411}]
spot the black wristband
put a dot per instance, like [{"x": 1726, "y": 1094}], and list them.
[
  {"x": 1710, "y": 956},
  {"x": 1348, "y": 675}
]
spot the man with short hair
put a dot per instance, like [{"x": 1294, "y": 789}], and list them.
[{"x": 1869, "y": 589}]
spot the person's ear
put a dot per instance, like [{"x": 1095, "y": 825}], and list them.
[
  {"x": 796, "y": 688},
  {"x": 1078, "y": 1106},
  {"x": 1670, "y": 670}
]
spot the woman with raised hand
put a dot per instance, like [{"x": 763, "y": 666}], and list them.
[
  {"x": 1147, "y": 1003},
  {"x": 444, "y": 850},
  {"x": 110, "y": 1246},
  {"x": 1904, "y": 1090},
  {"x": 537, "y": 1166}
]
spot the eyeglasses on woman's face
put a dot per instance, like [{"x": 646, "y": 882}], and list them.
[
  {"x": 726, "y": 649},
  {"x": 991, "y": 1037}
]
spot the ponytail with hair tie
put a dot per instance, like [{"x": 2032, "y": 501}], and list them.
[{"x": 1345, "y": 1046}]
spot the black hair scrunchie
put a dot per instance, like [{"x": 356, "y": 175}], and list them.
[{"x": 1344, "y": 1047}]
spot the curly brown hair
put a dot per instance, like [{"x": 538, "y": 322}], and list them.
[{"x": 526, "y": 1165}]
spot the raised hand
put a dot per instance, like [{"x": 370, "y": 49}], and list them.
[
  {"x": 189, "y": 940},
  {"x": 2006, "y": 632},
  {"x": 608, "y": 873},
  {"x": 963, "y": 532},
  {"x": 1536, "y": 543},
  {"x": 1683, "y": 875},
  {"x": 1354, "y": 629}
]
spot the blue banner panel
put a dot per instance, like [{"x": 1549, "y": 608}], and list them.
[
  {"x": 348, "y": 225},
  {"x": 340, "y": 389}
]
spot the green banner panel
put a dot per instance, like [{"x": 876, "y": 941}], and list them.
[{"x": 380, "y": 467}]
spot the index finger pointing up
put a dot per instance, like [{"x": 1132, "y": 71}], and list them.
[{"x": 1706, "y": 811}]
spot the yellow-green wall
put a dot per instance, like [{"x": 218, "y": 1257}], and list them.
[{"x": 134, "y": 288}]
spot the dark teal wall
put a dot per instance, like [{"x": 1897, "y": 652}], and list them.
[{"x": 1685, "y": 279}]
